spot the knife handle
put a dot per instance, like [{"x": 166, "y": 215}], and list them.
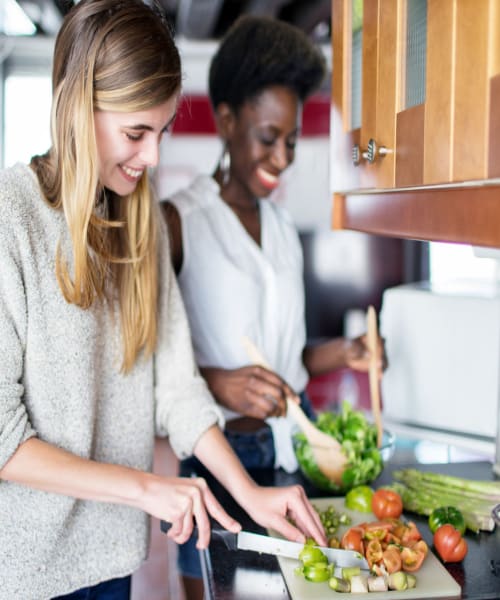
[{"x": 229, "y": 538}]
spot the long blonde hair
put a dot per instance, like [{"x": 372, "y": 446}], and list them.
[{"x": 114, "y": 55}]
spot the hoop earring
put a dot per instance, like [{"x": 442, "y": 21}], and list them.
[{"x": 225, "y": 165}]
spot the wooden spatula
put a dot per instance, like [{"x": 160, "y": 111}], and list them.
[
  {"x": 326, "y": 449},
  {"x": 374, "y": 371}
]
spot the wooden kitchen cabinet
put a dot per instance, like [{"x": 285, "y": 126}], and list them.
[{"x": 419, "y": 82}]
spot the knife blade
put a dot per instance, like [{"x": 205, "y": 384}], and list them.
[{"x": 267, "y": 544}]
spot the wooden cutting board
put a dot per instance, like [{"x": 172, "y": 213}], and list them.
[{"x": 433, "y": 580}]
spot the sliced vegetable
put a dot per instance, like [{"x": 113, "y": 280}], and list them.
[
  {"x": 318, "y": 572},
  {"x": 377, "y": 583},
  {"x": 331, "y": 519},
  {"x": 412, "y": 558},
  {"x": 447, "y": 514},
  {"x": 398, "y": 581},
  {"x": 387, "y": 504},
  {"x": 359, "y": 498},
  {"x": 311, "y": 555},
  {"x": 391, "y": 558},
  {"x": 373, "y": 552},
  {"x": 359, "y": 584},
  {"x": 353, "y": 540},
  {"x": 450, "y": 544},
  {"x": 339, "y": 585},
  {"x": 349, "y": 572}
]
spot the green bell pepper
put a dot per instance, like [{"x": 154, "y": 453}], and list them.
[
  {"x": 447, "y": 514},
  {"x": 312, "y": 555}
]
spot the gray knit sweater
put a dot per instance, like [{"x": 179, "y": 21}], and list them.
[{"x": 60, "y": 381}]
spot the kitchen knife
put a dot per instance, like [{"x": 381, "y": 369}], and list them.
[{"x": 266, "y": 544}]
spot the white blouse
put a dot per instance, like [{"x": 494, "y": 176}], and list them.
[{"x": 233, "y": 288}]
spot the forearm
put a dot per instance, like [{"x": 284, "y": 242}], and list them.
[
  {"x": 45, "y": 467},
  {"x": 326, "y": 356},
  {"x": 214, "y": 451}
]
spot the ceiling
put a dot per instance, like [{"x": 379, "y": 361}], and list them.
[{"x": 200, "y": 19}]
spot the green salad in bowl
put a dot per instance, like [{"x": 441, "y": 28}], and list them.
[{"x": 358, "y": 438}]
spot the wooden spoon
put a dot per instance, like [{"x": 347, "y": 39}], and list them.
[
  {"x": 327, "y": 450},
  {"x": 374, "y": 371}
]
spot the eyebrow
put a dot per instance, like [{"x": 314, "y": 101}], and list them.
[{"x": 144, "y": 127}]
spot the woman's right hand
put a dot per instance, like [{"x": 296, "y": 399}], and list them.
[
  {"x": 252, "y": 391},
  {"x": 184, "y": 502}
]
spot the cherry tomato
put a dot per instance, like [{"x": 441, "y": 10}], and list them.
[
  {"x": 387, "y": 504},
  {"x": 353, "y": 540},
  {"x": 449, "y": 543}
]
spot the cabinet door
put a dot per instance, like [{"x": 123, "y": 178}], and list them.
[
  {"x": 439, "y": 177},
  {"x": 365, "y": 37}
]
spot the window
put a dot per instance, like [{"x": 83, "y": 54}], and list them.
[{"x": 27, "y": 117}]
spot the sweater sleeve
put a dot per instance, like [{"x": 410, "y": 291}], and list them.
[
  {"x": 185, "y": 409},
  {"x": 15, "y": 427}
]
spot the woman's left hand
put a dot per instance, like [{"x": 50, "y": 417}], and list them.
[{"x": 286, "y": 510}]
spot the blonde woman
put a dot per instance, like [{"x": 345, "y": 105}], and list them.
[{"x": 95, "y": 348}]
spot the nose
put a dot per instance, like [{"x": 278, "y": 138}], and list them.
[
  {"x": 150, "y": 152},
  {"x": 281, "y": 156}
]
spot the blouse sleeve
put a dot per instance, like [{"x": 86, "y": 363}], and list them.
[
  {"x": 15, "y": 427},
  {"x": 185, "y": 409}
]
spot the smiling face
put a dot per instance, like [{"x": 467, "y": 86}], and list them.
[
  {"x": 261, "y": 140},
  {"x": 128, "y": 143}
]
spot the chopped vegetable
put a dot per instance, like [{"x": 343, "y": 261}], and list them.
[
  {"x": 348, "y": 572},
  {"x": 310, "y": 555},
  {"x": 331, "y": 519},
  {"x": 377, "y": 583},
  {"x": 339, "y": 585},
  {"x": 422, "y": 492},
  {"x": 358, "y": 439},
  {"x": 450, "y": 544},
  {"x": 318, "y": 572},
  {"x": 359, "y": 498},
  {"x": 447, "y": 514},
  {"x": 398, "y": 581},
  {"x": 359, "y": 584},
  {"x": 353, "y": 540}
]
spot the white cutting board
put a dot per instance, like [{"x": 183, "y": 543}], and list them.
[{"x": 433, "y": 580}]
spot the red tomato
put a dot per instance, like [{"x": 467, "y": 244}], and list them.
[
  {"x": 410, "y": 534},
  {"x": 391, "y": 558},
  {"x": 377, "y": 530},
  {"x": 412, "y": 558},
  {"x": 387, "y": 504},
  {"x": 353, "y": 540},
  {"x": 449, "y": 543},
  {"x": 374, "y": 552}
]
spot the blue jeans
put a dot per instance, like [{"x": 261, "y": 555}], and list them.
[
  {"x": 255, "y": 450},
  {"x": 114, "y": 589}
]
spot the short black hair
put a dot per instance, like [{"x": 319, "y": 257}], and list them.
[{"x": 258, "y": 52}]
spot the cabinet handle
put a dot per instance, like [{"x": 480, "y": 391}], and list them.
[
  {"x": 357, "y": 155},
  {"x": 373, "y": 151}
]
